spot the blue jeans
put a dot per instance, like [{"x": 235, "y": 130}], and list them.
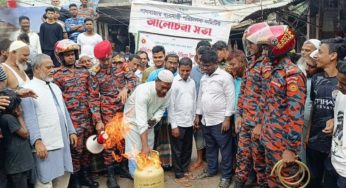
[{"x": 216, "y": 140}]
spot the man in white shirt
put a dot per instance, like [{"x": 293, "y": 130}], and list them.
[
  {"x": 143, "y": 110},
  {"x": 181, "y": 113},
  {"x": 338, "y": 153},
  {"x": 215, "y": 103},
  {"x": 50, "y": 127},
  {"x": 88, "y": 39},
  {"x": 34, "y": 39},
  {"x": 16, "y": 64}
]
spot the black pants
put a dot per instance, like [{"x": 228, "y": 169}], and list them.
[
  {"x": 181, "y": 151},
  {"x": 320, "y": 169},
  {"x": 216, "y": 140},
  {"x": 19, "y": 180}
]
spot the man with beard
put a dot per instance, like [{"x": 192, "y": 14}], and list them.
[
  {"x": 143, "y": 110},
  {"x": 111, "y": 86},
  {"x": 162, "y": 130},
  {"x": 75, "y": 85},
  {"x": 16, "y": 64},
  {"x": 50, "y": 127},
  {"x": 143, "y": 57}
]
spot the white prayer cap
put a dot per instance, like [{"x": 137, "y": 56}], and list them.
[
  {"x": 15, "y": 45},
  {"x": 314, "y": 42},
  {"x": 314, "y": 54},
  {"x": 165, "y": 76}
]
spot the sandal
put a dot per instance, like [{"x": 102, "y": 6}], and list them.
[
  {"x": 196, "y": 166},
  {"x": 189, "y": 176},
  {"x": 183, "y": 182}
]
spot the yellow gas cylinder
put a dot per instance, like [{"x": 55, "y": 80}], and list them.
[{"x": 149, "y": 173}]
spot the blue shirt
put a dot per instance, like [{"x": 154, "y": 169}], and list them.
[
  {"x": 72, "y": 35},
  {"x": 196, "y": 75},
  {"x": 237, "y": 84}
]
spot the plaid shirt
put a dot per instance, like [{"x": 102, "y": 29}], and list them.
[{"x": 72, "y": 35}]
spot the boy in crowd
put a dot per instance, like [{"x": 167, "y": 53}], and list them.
[
  {"x": 181, "y": 112},
  {"x": 18, "y": 158},
  {"x": 323, "y": 94}
]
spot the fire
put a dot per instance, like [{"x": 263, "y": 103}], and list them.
[
  {"x": 116, "y": 132},
  {"x": 153, "y": 160}
]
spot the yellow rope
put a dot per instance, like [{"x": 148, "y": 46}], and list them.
[{"x": 287, "y": 181}]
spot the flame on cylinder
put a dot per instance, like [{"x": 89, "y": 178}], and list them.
[
  {"x": 116, "y": 133},
  {"x": 117, "y": 130},
  {"x": 152, "y": 160}
]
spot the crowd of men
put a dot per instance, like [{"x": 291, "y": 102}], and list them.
[{"x": 255, "y": 108}]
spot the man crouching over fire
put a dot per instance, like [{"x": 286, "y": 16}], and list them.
[{"x": 143, "y": 110}]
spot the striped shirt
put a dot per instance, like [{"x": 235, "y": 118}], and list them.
[{"x": 2, "y": 74}]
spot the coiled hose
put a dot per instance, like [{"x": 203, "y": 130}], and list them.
[{"x": 289, "y": 181}]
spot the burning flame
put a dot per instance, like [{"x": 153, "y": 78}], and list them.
[
  {"x": 116, "y": 131},
  {"x": 153, "y": 160}
]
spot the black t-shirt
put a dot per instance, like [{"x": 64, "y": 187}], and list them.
[
  {"x": 17, "y": 151},
  {"x": 49, "y": 35},
  {"x": 323, "y": 95}
]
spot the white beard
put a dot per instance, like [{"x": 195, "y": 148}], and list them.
[
  {"x": 49, "y": 79},
  {"x": 21, "y": 66}
]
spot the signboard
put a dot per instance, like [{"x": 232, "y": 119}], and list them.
[
  {"x": 183, "y": 47},
  {"x": 181, "y": 20}
]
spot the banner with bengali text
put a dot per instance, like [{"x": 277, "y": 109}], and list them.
[
  {"x": 180, "y": 20},
  {"x": 183, "y": 47}
]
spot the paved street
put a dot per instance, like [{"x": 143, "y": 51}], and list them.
[{"x": 169, "y": 179}]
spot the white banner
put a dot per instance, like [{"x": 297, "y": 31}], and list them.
[
  {"x": 181, "y": 20},
  {"x": 183, "y": 47}
]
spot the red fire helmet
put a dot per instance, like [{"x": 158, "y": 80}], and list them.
[
  {"x": 284, "y": 40},
  {"x": 256, "y": 34},
  {"x": 65, "y": 45}
]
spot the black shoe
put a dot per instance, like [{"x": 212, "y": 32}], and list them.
[
  {"x": 74, "y": 181},
  {"x": 224, "y": 183},
  {"x": 239, "y": 185},
  {"x": 111, "y": 181},
  {"x": 87, "y": 180}
]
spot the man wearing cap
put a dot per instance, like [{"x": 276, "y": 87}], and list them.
[
  {"x": 162, "y": 130},
  {"x": 75, "y": 86},
  {"x": 308, "y": 47},
  {"x": 16, "y": 64},
  {"x": 143, "y": 109},
  {"x": 111, "y": 86}
]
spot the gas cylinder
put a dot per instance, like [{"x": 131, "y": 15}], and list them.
[{"x": 151, "y": 175}]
